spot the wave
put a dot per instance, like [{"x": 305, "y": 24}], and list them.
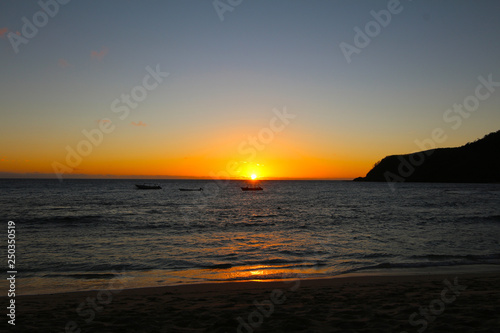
[
  {"x": 495, "y": 218},
  {"x": 219, "y": 266},
  {"x": 65, "y": 220},
  {"x": 377, "y": 255},
  {"x": 262, "y": 216},
  {"x": 255, "y": 224},
  {"x": 85, "y": 276},
  {"x": 478, "y": 257},
  {"x": 479, "y": 218},
  {"x": 420, "y": 264}
]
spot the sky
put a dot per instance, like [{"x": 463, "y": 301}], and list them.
[{"x": 229, "y": 88}]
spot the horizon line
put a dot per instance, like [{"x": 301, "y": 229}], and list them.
[{"x": 35, "y": 175}]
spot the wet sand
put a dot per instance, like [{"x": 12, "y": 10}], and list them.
[{"x": 450, "y": 302}]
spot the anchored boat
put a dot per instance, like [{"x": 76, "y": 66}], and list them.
[
  {"x": 247, "y": 188},
  {"x": 148, "y": 186}
]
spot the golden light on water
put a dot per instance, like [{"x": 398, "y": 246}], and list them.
[{"x": 245, "y": 273}]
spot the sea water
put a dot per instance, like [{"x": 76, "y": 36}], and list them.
[{"x": 84, "y": 234}]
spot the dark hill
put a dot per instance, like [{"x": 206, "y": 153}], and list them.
[{"x": 475, "y": 162}]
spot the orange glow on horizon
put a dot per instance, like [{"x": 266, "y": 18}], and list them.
[
  {"x": 217, "y": 157},
  {"x": 199, "y": 167}
]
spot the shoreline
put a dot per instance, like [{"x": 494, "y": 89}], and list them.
[
  {"x": 369, "y": 272},
  {"x": 400, "y": 274},
  {"x": 358, "y": 302}
]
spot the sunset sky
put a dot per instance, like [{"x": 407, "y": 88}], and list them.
[{"x": 262, "y": 87}]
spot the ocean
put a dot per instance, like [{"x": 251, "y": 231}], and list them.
[{"x": 84, "y": 234}]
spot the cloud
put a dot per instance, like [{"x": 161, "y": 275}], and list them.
[
  {"x": 139, "y": 124},
  {"x": 103, "y": 121},
  {"x": 99, "y": 55},
  {"x": 3, "y": 31},
  {"x": 63, "y": 63}
]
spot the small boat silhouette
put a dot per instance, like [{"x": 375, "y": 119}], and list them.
[
  {"x": 191, "y": 189},
  {"x": 148, "y": 186},
  {"x": 253, "y": 188}
]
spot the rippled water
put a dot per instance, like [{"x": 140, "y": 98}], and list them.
[{"x": 79, "y": 234}]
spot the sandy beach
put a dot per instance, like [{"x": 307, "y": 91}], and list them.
[{"x": 451, "y": 302}]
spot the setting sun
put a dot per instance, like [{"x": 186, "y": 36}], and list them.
[{"x": 253, "y": 176}]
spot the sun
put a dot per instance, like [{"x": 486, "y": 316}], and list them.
[{"x": 253, "y": 176}]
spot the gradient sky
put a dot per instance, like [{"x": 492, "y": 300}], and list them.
[{"x": 226, "y": 78}]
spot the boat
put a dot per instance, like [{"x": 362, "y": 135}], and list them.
[
  {"x": 191, "y": 189},
  {"x": 253, "y": 188},
  {"x": 148, "y": 186}
]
